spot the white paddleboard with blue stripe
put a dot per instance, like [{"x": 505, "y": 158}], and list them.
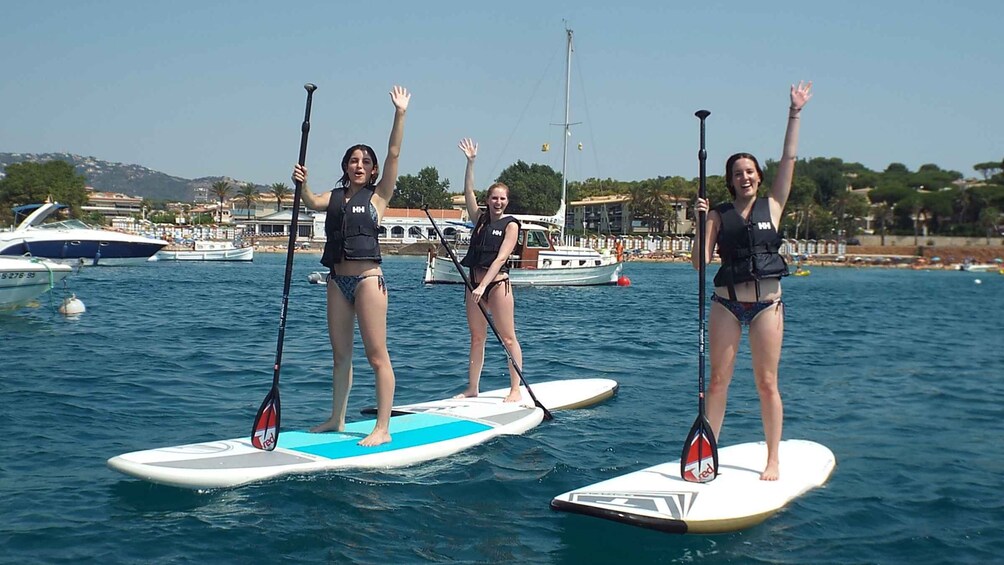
[{"x": 434, "y": 430}]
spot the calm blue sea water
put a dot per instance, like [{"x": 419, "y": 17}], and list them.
[{"x": 898, "y": 372}]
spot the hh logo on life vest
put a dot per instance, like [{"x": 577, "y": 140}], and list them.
[
  {"x": 497, "y": 232},
  {"x": 358, "y": 209},
  {"x": 763, "y": 225}
]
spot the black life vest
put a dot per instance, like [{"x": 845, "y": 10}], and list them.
[
  {"x": 748, "y": 248},
  {"x": 486, "y": 242},
  {"x": 351, "y": 228}
]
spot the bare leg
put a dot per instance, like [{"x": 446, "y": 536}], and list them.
[
  {"x": 341, "y": 320},
  {"x": 724, "y": 332},
  {"x": 766, "y": 334},
  {"x": 502, "y": 308},
  {"x": 371, "y": 308},
  {"x": 479, "y": 328}
]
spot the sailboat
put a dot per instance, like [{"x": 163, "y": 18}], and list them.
[{"x": 541, "y": 260}]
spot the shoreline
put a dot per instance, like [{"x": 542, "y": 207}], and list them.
[{"x": 936, "y": 259}]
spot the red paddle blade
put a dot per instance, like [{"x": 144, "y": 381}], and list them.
[
  {"x": 265, "y": 434},
  {"x": 699, "y": 463}
]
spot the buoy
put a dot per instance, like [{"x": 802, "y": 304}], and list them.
[
  {"x": 978, "y": 281},
  {"x": 72, "y": 306},
  {"x": 623, "y": 281},
  {"x": 315, "y": 278}
]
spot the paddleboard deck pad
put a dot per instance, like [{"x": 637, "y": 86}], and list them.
[
  {"x": 657, "y": 498},
  {"x": 566, "y": 394},
  {"x": 432, "y": 431}
]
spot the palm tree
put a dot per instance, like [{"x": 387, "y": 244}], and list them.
[
  {"x": 248, "y": 195},
  {"x": 221, "y": 189},
  {"x": 884, "y": 215},
  {"x": 279, "y": 190}
]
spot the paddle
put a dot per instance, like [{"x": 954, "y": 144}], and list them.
[
  {"x": 491, "y": 324},
  {"x": 699, "y": 462},
  {"x": 265, "y": 432}
]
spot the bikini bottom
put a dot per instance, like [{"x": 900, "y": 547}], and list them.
[
  {"x": 348, "y": 284},
  {"x": 491, "y": 286},
  {"x": 745, "y": 312}
]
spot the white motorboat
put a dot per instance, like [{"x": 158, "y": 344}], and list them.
[
  {"x": 538, "y": 261},
  {"x": 73, "y": 241},
  {"x": 22, "y": 279},
  {"x": 207, "y": 251}
]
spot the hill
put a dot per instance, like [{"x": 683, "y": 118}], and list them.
[{"x": 133, "y": 180}]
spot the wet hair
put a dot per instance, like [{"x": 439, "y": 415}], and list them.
[
  {"x": 728, "y": 170},
  {"x": 344, "y": 181}
]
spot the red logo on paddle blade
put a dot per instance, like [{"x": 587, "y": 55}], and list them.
[
  {"x": 266, "y": 432},
  {"x": 700, "y": 461}
]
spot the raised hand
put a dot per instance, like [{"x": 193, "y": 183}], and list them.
[
  {"x": 800, "y": 94},
  {"x": 400, "y": 97},
  {"x": 469, "y": 147}
]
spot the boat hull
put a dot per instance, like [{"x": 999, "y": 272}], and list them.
[
  {"x": 22, "y": 279},
  {"x": 72, "y": 250},
  {"x": 240, "y": 254},
  {"x": 440, "y": 270}
]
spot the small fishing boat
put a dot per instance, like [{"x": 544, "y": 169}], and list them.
[
  {"x": 22, "y": 279},
  {"x": 539, "y": 262},
  {"x": 207, "y": 251}
]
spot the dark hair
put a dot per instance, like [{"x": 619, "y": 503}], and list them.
[
  {"x": 344, "y": 181},
  {"x": 728, "y": 170}
]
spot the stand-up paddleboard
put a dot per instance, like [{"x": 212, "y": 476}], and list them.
[
  {"x": 657, "y": 498},
  {"x": 568, "y": 394},
  {"x": 435, "y": 430}
]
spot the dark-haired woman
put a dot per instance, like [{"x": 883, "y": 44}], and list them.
[
  {"x": 748, "y": 284},
  {"x": 355, "y": 283}
]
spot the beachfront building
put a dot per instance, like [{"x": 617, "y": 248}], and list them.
[
  {"x": 616, "y": 215},
  {"x": 113, "y": 204}
]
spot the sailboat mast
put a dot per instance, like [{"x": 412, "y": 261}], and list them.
[{"x": 567, "y": 134}]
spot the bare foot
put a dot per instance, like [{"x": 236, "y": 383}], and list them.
[
  {"x": 514, "y": 396},
  {"x": 376, "y": 437},
  {"x": 331, "y": 425},
  {"x": 771, "y": 473},
  {"x": 466, "y": 394}
]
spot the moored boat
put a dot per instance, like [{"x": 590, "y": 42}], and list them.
[
  {"x": 73, "y": 241},
  {"x": 207, "y": 251},
  {"x": 538, "y": 261},
  {"x": 22, "y": 279}
]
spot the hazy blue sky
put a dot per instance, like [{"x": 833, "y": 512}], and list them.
[{"x": 215, "y": 88}]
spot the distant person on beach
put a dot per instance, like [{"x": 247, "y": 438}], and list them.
[
  {"x": 355, "y": 283},
  {"x": 492, "y": 241},
  {"x": 748, "y": 284}
]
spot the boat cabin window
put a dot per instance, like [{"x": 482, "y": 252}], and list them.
[{"x": 537, "y": 238}]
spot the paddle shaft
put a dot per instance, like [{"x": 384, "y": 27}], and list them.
[
  {"x": 702, "y": 228},
  {"x": 293, "y": 227},
  {"x": 491, "y": 324}
]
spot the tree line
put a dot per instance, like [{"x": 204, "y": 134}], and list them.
[{"x": 829, "y": 197}]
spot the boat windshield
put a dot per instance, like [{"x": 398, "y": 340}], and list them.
[
  {"x": 65, "y": 225},
  {"x": 536, "y": 238}
]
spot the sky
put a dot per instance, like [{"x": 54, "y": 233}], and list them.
[{"x": 215, "y": 88}]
